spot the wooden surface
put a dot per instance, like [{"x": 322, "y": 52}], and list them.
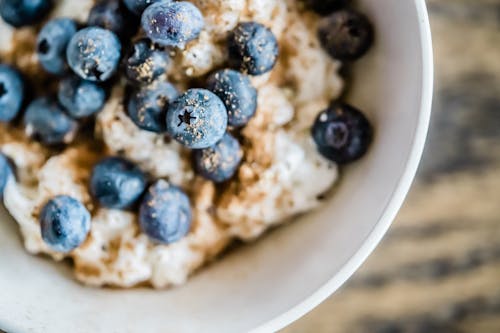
[{"x": 438, "y": 269}]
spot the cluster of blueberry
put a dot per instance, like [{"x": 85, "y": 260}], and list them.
[
  {"x": 199, "y": 118},
  {"x": 87, "y": 57}
]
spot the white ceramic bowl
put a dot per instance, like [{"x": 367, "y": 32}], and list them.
[{"x": 263, "y": 286}]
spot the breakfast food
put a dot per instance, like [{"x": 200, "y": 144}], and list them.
[{"x": 140, "y": 138}]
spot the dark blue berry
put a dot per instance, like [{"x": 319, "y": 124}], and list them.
[
  {"x": 117, "y": 183},
  {"x": 5, "y": 172},
  {"x": 172, "y": 23},
  {"x": 165, "y": 213},
  {"x": 219, "y": 162},
  {"x": 20, "y": 13},
  {"x": 342, "y": 133},
  {"x": 11, "y": 93},
  {"x": 112, "y": 15},
  {"x": 346, "y": 35},
  {"x": 94, "y": 54},
  {"x": 197, "y": 119},
  {"x": 46, "y": 121},
  {"x": 237, "y": 93},
  {"x": 325, "y": 7},
  {"x": 52, "y": 42},
  {"x": 253, "y": 48},
  {"x": 65, "y": 223},
  {"x": 146, "y": 63},
  {"x": 147, "y": 105},
  {"x": 81, "y": 98},
  {"x": 138, "y": 6}
]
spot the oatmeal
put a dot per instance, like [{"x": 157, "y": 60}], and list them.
[{"x": 277, "y": 170}]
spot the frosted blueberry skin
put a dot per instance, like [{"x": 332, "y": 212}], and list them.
[
  {"x": 346, "y": 35},
  {"x": 170, "y": 23},
  {"x": 237, "y": 93},
  {"x": 342, "y": 133},
  {"x": 19, "y": 13},
  {"x": 147, "y": 105},
  {"x": 165, "y": 213},
  {"x": 146, "y": 62},
  {"x": 64, "y": 223},
  {"x": 197, "y": 119},
  {"x": 138, "y": 6},
  {"x": 5, "y": 172},
  {"x": 114, "y": 16},
  {"x": 94, "y": 54},
  {"x": 117, "y": 183},
  {"x": 52, "y": 42},
  {"x": 80, "y": 98},
  {"x": 46, "y": 121},
  {"x": 219, "y": 162},
  {"x": 253, "y": 48},
  {"x": 11, "y": 93}
]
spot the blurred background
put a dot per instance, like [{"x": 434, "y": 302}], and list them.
[{"x": 438, "y": 269}]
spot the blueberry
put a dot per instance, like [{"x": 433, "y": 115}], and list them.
[
  {"x": 81, "y": 98},
  {"x": 52, "y": 42},
  {"x": 20, "y": 13},
  {"x": 346, "y": 35},
  {"x": 253, "y": 48},
  {"x": 65, "y": 223},
  {"x": 325, "y": 7},
  {"x": 112, "y": 15},
  {"x": 219, "y": 162},
  {"x": 94, "y": 54},
  {"x": 46, "y": 121},
  {"x": 117, "y": 183},
  {"x": 146, "y": 63},
  {"x": 237, "y": 93},
  {"x": 138, "y": 6},
  {"x": 11, "y": 93},
  {"x": 165, "y": 213},
  {"x": 342, "y": 133},
  {"x": 197, "y": 119},
  {"x": 5, "y": 172},
  {"x": 172, "y": 23},
  {"x": 147, "y": 105}
]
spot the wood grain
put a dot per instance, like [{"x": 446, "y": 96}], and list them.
[{"x": 438, "y": 269}]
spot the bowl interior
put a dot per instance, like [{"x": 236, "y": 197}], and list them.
[{"x": 272, "y": 282}]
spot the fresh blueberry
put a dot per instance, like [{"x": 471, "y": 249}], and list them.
[
  {"x": 172, "y": 23},
  {"x": 147, "y": 105},
  {"x": 11, "y": 93},
  {"x": 146, "y": 63},
  {"x": 346, "y": 35},
  {"x": 197, "y": 119},
  {"x": 52, "y": 42},
  {"x": 138, "y": 6},
  {"x": 81, "y": 98},
  {"x": 5, "y": 172},
  {"x": 237, "y": 93},
  {"x": 20, "y": 13},
  {"x": 342, "y": 133},
  {"x": 113, "y": 15},
  {"x": 253, "y": 48},
  {"x": 117, "y": 183},
  {"x": 44, "y": 120},
  {"x": 94, "y": 54},
  {"x": 219, "y": 162},
  {"x": 165, "y": 213},
  {"x": 65, "y": 223},
  {"x": 325, "y": 7}
]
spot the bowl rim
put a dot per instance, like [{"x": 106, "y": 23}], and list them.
[{"x": 398, "y": 195}]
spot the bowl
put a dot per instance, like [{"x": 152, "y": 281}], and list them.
[{"x": 264, "y": 286}]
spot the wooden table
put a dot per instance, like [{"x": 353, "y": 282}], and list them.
[{"x": 438, "y": 269}]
